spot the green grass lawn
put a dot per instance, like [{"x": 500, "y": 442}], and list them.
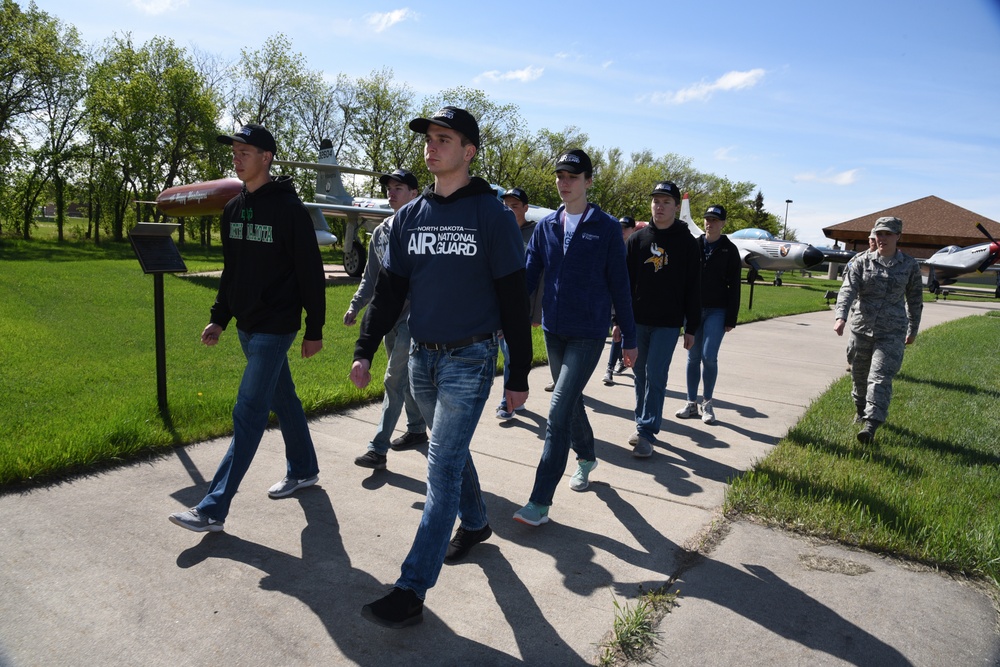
[{"x": 928, "y": 489}]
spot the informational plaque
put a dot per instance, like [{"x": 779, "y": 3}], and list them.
[{"x": 155, "y": 248}]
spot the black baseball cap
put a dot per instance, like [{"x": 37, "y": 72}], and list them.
[
  {"x": 667, "y": 188},
  {"x": 575, "y": 162},
  {"x": 716, "y": 211},
  {"x": 627, "y": 221},
  {"x": 517, "y": 193},
  {"x": 401, "y": 175},
  {"x": 453, "y": 118},
  {"x": 251, "y": 134}
]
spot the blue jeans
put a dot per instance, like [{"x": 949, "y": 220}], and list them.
[
  {"x": 652, "y": 363},
  {"x": 615, "y": 354},
  {"x": 572, "y": 361},
  {"x": 705, "y": 351},
  {"x": 266, "y": 386},
  {"x": 451, "y": 387},
  {"x": 397, "y": 391}
]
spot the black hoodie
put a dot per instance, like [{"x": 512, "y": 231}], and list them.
[{"x": 273, "y": 268}]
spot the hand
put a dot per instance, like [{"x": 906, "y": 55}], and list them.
[
  {"x": 838, "y": 326},
  {"x": 359, "y": 373},
  {"x": 728, "y": 329},
  {"x": 311, "y": 347},
  {"x": 910, "y": 339},
  {"x": 616, "y": 334},
  {"x": 629, "y": 355},
  {"x": 350, "y": 317},
  {"x": 515, "y": 399},
  {"x": 210, "y": 335},
  {"x": 688, "y": 341}
]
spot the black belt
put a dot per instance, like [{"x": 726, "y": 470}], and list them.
[{"x": 454, "y": 345}]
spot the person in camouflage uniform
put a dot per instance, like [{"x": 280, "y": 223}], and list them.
[{"x": 889, "y": 292}]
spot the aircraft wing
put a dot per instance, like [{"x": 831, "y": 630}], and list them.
[
  {"x": 373, "y": 214},
  {"x": 324, "y": 167}
]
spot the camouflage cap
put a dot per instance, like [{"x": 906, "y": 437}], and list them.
[{"x": 888, "y": 224}]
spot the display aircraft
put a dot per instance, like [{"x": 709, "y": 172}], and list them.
[
  {"x": 947, "y": 264},
  {"x": 759, "y": 249},
  {"x": 332, "y": 199}
]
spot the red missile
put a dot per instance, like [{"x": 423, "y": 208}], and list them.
[{"x": 207, "y": 198}]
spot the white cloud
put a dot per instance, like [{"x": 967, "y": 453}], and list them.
[
  {"x": 724, "y": 154},
  {"x": 155, "y": 7},
  {"x": 385, "y": 20},
  {"x": 848, "y": 177},
  {"x": 701, "y": 92},
  {"x": 607, "y": 63},
  {"x": 529, "y": 73}
]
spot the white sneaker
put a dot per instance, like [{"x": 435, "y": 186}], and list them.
[
  {"x": 707, "y": 413},
  {"x": 689, "y": 410},
  {"x": 633, "y": 439}
]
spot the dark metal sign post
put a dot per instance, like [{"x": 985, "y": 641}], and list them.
[{"x": 158, "y": 255}]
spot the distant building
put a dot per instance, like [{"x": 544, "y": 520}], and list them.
[
  {"x": 73, "y": 210},
  {"x": 929, "y": 224}
]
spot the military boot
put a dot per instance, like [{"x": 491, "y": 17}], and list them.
[{"x": 867, "y": 434}]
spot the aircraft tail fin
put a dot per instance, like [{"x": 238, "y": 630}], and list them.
[
  {"x": 685, "y": 215},
  {"x": 329, "y": 183}
]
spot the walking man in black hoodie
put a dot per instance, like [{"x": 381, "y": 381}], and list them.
[
  {"x": 664, "y": 268},
  {"x": 272, "y": 271}
]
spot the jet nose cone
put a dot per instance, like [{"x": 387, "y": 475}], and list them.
[{"x": 812, "y": 257}]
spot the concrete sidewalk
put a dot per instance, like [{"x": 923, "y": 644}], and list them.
[{"x": 92, "y": 572}]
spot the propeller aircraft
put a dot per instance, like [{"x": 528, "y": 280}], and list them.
[{"x": 947, "y": 264}]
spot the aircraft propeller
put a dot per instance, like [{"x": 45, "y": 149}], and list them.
[{"x": 995, "y": 247}]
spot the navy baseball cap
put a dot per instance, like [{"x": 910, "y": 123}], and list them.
[
  {"x": 452, "y": 118},
  {"x": 251, "y": 134},
  {"x": 716, "y": 211},
  {"x": 667, "y": 188},
  {"x": 575, "y": 162},
  {"x": 517, "y": 193},
  {"x": 401, "y": 175},
  {"x": 627, "y": 221}
]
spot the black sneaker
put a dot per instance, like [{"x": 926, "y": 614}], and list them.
[
  {"x": 867, "y": 434},
  {"x": 464, "y": 540},
  {"x": 408, "y": 440},
  {"x": 371, "y": 459},
  {"x": 399, "y": 609}
]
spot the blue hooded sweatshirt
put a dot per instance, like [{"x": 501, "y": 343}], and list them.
[{"x": 582, "y": 284}]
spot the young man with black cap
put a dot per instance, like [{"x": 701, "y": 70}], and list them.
[
  {"x": 272, "y": 271},
  {"x": 889, "y": 291},
  {"x": 720, "y": 304},
  {"x": 578, "y": 252},
  {"x": 516, "y": 200},
  {"x": 455, "y": 244},
  {"x": 664, "y": 268},
  {"x": 401, "y": 187}
]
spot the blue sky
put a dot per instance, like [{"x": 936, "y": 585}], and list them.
[{"x": 845, "y": 108}]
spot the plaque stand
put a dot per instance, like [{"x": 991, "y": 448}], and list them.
[{"x": 157, "y": 255}]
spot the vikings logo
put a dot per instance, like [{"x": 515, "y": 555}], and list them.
[
  {"x": 784, "y": 250},
  {"x": 658, "y": 260}
]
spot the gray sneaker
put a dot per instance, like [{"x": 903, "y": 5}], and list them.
[
  {"x": 581, "y": 478},
  {"x": 550, "y": 386},
  {"x": 608, "y": 380},
  {"x": 290, "y": 485},
  {"x": 194, "y": 520},
  {"x": 633, "y": 439},
  {"x": 707, "y": 412},
  {"x": 689, "y": 411},
  {"x": 643, "y": 448}
]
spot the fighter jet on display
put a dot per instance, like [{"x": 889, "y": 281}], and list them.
[
  {"x": 947, "y": 264},
  {"x": 210, "y": 197},
  {"x": 759, "y": 249}
]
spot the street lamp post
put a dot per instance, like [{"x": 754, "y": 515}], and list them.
[{"x": 784, "y": 235}]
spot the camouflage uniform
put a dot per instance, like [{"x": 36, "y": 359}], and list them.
[{"x": 889, "y": 295}]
